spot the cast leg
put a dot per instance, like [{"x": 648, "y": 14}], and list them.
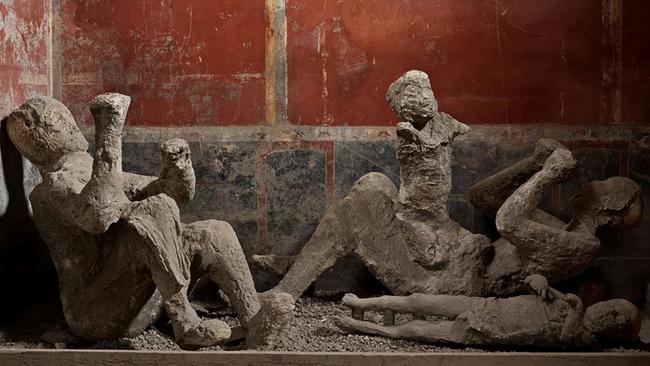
[
  {"x": 489, "y": 194},
  {"x": 363, "y": 223},
  {"x": 381, "y": 245},
  {"x": 330, "y": 241},
  {"x": 335, "y": 237},
  {"x": 448, "y": 306},
  {"x": 418, "y": 330},
  {"x": 557, "y": 253},
  {"x": 217, "y": 252},
  {"x": 156, "y": 219}
]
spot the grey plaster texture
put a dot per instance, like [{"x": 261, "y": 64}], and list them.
[{"x": 228, "y": 180}]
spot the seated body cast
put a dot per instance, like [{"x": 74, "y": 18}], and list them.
[
  {"x": 408, "y": 241},
  {"x": 547, "y": 319},
  {"x": 116, "y": 238}
]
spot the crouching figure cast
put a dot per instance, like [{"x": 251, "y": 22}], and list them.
[
  {"x": 547, "y": 319},
  {"x": 120, "y": 249}
]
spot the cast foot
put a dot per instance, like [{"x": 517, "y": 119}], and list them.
[
  {"x": 276, "y": 265},
  {"x": 210, "y": 332},
  {"x": 351, "y": 301},
  {"x": 559, "y": 166},
  {"x": 344, "y": 322},
  {"x": 544, "y": 148},
  {"x": 271, "y": 321}
]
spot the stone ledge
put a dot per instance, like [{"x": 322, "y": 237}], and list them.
[
  {"x": 114, "y": 358},
  {"x": 296, "y": 133}
]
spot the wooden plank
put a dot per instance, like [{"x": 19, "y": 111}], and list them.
[{"x": 114, "y": 358}]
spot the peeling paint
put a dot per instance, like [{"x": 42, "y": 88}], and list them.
[
  {"x": 489, "y": 61},
  {"x": 21, "y": 38},
  {"x": 23, "y": 58},
  {"x": 198, "y": 64}
]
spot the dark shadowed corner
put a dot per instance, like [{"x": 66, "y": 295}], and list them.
[{"x": 27, "y": 274}]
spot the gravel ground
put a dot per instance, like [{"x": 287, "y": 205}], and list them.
[
  {"x": 42, "y": 326},
  {"x": 312, "y": 331}
]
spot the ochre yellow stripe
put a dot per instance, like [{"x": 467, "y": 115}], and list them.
[{"x": 270, "y": 72}]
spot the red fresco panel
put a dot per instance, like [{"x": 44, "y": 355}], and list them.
[
  {"x": 23, "y": 52},
  {"x": 517, "y": 61},
  {"x": 636, "y": 61},
  {"x": 183, "y": 62}
]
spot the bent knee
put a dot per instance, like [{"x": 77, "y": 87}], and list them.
[
  {"x": 157, "y": 204},
  {"x": 375, "y": 182},
  {"x": 505, "y": 223},
  {"x": 212, "y": 226},
  {"x": 210, "y": 231}
]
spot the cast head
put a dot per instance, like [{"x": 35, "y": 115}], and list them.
[
  {"x": 176, "y": 152},
  {"x": 412, "y": 99},
  {"x": 44, "y": 130},
  {"x": 613, "y": 322},
  {"x": 614, "y": 201}
]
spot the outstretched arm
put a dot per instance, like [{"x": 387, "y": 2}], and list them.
[
  {"x": 101, "y": 202},
  {"x": 488, "y": 195},
  {"x": 177, "y": 179}
]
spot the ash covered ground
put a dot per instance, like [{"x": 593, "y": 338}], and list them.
[{"x": 42, "y": 326}]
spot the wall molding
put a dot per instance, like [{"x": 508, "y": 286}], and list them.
[{"x": 289, "y": 133}]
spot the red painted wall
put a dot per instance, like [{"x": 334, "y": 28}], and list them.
[
  {"x": 205, "y": 63},
  {"x": 23, "y": 52},
  {"x": 489, "y": 61},
  {"x": 184, "y": 62},
  {"x": 636, "y": 61}
]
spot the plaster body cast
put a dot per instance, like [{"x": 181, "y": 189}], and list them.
[
  {"x": 548, "y": 319},
  {"x": 116, "y": 238},
  {"x": 407, "y": 240}
]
